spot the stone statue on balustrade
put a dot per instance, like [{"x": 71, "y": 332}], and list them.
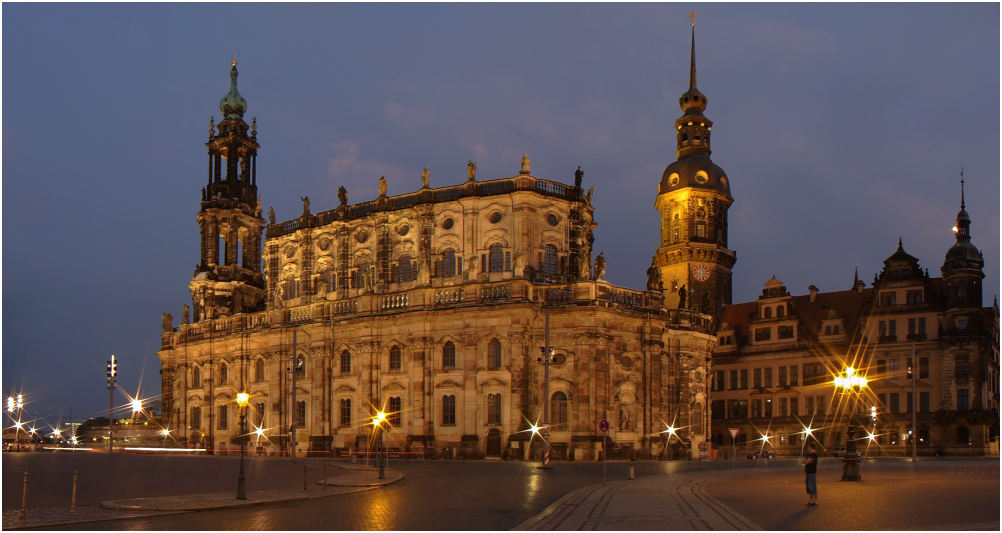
[
  {"x": 599, "y": 267},
  {"x": 168, "y": 320},
  {"x": 471, "y": 170},
  {"x": 654, "y": 278},
  {"x": 342, "y": 195}
]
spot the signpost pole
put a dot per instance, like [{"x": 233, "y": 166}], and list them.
[
  {"x": 734, "y": 436},
  {"x": 603, "y": 426}
]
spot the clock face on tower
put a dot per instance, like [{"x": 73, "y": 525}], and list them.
[{"x": 701, "y": 273}]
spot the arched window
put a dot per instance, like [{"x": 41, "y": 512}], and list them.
[
  {"x": 767, "y": 312},
  {"x": 449, "y": 355},
  {"x": 345, "y": 363},
  {"x": 300, "y": 367},
  {"x": 449, "y": 263},
  {"x": 224, "y": 374},
  {"x": 259, "y": 374},
  {"x": 558, "y": 411},
  {"x": 358, "y": 275},
  {"x": 780, "y": 311},
  {"x": 396, "y": 361},
  {"x": 345, "y": 418},
  {"x": 301, "y": 414},
  {"x": 449, "y": 410},
  {"x": 396, "y": 405},
  {"x": 196, "y": 377},
  {"x": 496, "y": 258},
  {"x": 550, "y": 264},
  {"x": 494, "y": 408},
  {"x": 963, "y": 435},
  {"x": 493, "y": 354}
]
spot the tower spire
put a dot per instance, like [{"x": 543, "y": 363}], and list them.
[
  {"x": 692, "y": 57},
  {"x": 962, "y": 187}
]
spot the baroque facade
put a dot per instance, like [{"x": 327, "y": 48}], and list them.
[
  {"x": 925, "y": 344},
  {"x": 434, "y": 306}
]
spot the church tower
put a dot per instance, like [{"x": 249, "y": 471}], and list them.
[
  {"x": 693, "y": 199},
  {"x": 228, "y": 279},
  {"x": 962, "y": 275}
]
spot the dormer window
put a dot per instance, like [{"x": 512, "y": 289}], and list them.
[
  {"x": 888, "y": 298},
  {"x": 767, "y": 312},
  {"x": 780, "y": 311},
  {"x": 914, "y": 297}
]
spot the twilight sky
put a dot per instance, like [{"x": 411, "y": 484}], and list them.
[{"x": 840, "y": 126}]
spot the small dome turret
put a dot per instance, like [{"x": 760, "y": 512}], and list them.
[{"x": 233, "y": 105}]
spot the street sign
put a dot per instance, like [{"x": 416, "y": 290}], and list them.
[
  {"x": 603, "y": 426},
  {"x": 734, "y": 432}
]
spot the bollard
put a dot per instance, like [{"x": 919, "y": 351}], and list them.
[
  {"x": 24, "y": 495},
  {"x": 630, "y": 475},
  {"x": 304, "y": 477},
  {"x": 73, "y": 502},
  {"x": 354, "y": 458}
]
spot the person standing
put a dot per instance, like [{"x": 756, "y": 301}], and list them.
[{"x": 811, "y": 470}]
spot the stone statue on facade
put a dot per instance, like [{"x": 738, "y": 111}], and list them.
[
  {"x": 321, "y": 285},
  {"x": 184, "y": 313},
  {"x": 578, "y": 175},
  {"x": 168, "y": 320},
  {"x": 588, "y": 195},
  {"x": 526, "y": 164},
  {"x": 599, "y": 267},
  {"x": 271, "y": 215},
  {"x": 306, "y": 206},
  {"x": 471, "y": 170},
  {"x": 425, "y": 178},
  {"x": 654, "y": 278},
  {"x": 519, "y": 265},
  {"x": 681, "y": 297},
  {"x": 584, "y": 269},
  {"x": 238, "y": 303},
  {"x": 342, "y": 195},
  {"x": 423, "y": 277},
  {"x": 382, "y": 186}
]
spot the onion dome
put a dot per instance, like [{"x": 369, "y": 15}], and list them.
[
  {"x": 233, "y": 105},
  {"x": 963, "y": 254}
]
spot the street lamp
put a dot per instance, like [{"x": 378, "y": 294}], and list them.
[
  {"x": 242, "y": 399},
  {"x": 850, "y": 383},
  {"x": 377, "y": 422},
  {"x": 671, "y": 433}
]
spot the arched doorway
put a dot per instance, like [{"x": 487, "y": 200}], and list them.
[{"x": 493, "y": 443}]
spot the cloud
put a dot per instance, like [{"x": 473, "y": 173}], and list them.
[
  {"x": 408, "y": 117},
  {"x": 350, "y": 168}
]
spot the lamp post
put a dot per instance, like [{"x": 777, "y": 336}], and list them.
[
  {"x": 850, "y": 383},
  {"x": 377, "y": 421},
  {"x": 242, "y": 400},
  {"x": 671, "y": 433},
  {"x": 911, "y": 374}
]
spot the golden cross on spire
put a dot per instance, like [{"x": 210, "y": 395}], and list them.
[{"x": 692, "y": 15}]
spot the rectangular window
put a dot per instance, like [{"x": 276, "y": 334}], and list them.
[
  {"x": 223, "y": 419},
  {"x": 809, "y": 405},
  {"x": 820, "y": 407},
  {"x": 756, "y": 408},
  {"x": 785, "y": 332},
  {"x": 914, "y": 297},
  {"x": 895, "y": 402},
  {"x": 882, "y": 328},
  {"x": 783, "y": 407},
  {"x": 923, "y": 367},
  {"x": 449, "y": 356},
  {"x": 734, "y": 379},
  {"x": 888, "y": 298},
  {"x": 449, "y": 410},
  {"x": 493, "y": 408},
  {"x": 881, "y": 369},
  {"x": 892, "y": 369},
  {"x": 345, "y": 363},
  {"x": 757, "y": 378},
  {"x": 196, "y": 417},
  {"x": 794, "y": 406},
  {"x": 767, "y": 378},
  {"x": 892, "y": 329},
  {"x": 396, "y": 359},
  {"x": 921, "y": 326},
  {"x": 782, "y": 376},
  {"x": 794, "y": 381},
  {"x": 763, "y": 334},
  {"x": 909, "y": 402},
  {"x": 911, "y": 327},
  {"x": 963, "y": 400},
  {"x": 301, "y": 414},
  {"x": 767, "y": 408},
  {"x": 259, "y": 414},
  {"x": 718, "y": 380},
  {"x": 744, "y": 379},
  {"x": 923, "y": 402},
  {"x": 836, "y": 329},
  {"x": 828, "y": 330},
  {"x": 396, "y": 406},
  {"x": 700, "y": 230},
  {"x": 717, "y": 410},
  {"x": 345, "y": 418}
]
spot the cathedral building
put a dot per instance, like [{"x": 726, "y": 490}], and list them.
[{"x": 467, "y": 313}]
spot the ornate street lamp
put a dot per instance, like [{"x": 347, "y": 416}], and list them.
[
  {"x": 377, "y": 421},
  {"x": 242, "y": 400},
  {"x": 850, "y": 383}
]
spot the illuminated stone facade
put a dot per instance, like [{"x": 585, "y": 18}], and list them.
[{"x": 432, "y": 306}]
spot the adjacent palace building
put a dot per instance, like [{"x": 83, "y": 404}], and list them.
[{"x": 472, "y": 313}]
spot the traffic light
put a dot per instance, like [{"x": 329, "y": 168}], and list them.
[
  {"x": 873, "y": 413},
  {"x": 112, "y": 372}
]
